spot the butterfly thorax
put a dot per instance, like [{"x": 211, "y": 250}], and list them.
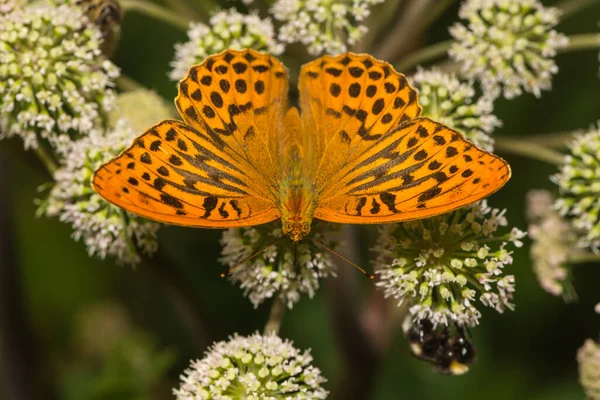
[{"x": 297, "y": 203}]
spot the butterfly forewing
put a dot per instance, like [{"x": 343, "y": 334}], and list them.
[
  {"x": 349, "y": 102},
  {"x": 241, "y": 98},
  {"x": 176, "y": 174},
  {"x": 419, "y": 169}
]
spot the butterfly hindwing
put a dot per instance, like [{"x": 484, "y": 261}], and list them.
[
  {"x": 176, "y": 174},
  {"x": 419, "y": 169}
]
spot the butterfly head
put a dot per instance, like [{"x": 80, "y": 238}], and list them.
[{"x": 296, "y": 228}]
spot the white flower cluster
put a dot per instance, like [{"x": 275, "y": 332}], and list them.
[
  {"x": 227, "y": 30},
  {"x": 7, "y": 6},
  {"x": 440, "y": 264},
  {"x": 105, "y": 229},
  {"x": 579, "y": 184},
  {"x": 324, "y": 26},
  {"x": 447, "y": 100},
  {"x": 508, "y": 45},
  {"x": 54, "y": 83},
  {"x": 553, "y": 240},
  {"x": 588, "y": 357},
  {"x": 254, "y": 367},
  {"x": 280, "y": 270}
]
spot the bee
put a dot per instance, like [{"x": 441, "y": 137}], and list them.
[
  {"x": 107, "y": 16},
  {"x": 448, "y": 349}
]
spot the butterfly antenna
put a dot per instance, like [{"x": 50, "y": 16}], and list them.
[
  {"x": 225, "y": 274},
  {"x": 365, "y": 273},
  {"x": 296, "y": 265}
]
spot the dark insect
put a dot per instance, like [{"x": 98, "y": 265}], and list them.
[
  {"x": 106, "y": 15},
  {"x": 449, "y": 349}
]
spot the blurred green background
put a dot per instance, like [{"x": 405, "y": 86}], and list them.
[{"x": 166, "y": 314}]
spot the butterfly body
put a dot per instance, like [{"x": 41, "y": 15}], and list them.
[{"x": 356, "y": 152}]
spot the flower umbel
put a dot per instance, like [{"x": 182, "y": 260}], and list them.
[
  {"x": 447, "y": 100},
  {"x": 324, "y": 26},
  {"x": 553, "y": 239},
  {"x": 579, "y": 184},
  {"x": 508, "y": 45},
  {"x": 253, "y": 367},
  {"x": 54, "y": 82},
  {"x": 280, "y": 270},
  {"x": 105, "y": 229},
  {"x": 588, "y": 357},
  {"x": 228, "y": 30},
  {"x": 443, "y": 265}
]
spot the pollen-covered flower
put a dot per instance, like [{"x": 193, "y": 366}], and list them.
[
  {"x": 104, "y": 228},
  {"x": 447, "y": 100},
  {"x": 509, "y": 45},
  {"x": 447, "y": 265},
  {"x": 54, "y": 82},
  {"x": 579, "y": 184},
  {"x": 588, "y": 357},
  {"x": 324, "y": 26},
  {"x": 286, "y": 270},
  {"x": 553, "y": 240},
  {"x": 227, "y": 30},
  {"x": 253, "y": 367}
]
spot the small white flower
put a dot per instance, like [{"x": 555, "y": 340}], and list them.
[
  {"x": 509, "y": 45},
  {"x": 226, "y": 30},
  {"x": 275, "y": 272},
  {"x": 579, "y": 184},
  {"x": 553, "y": 240},
  {"x": 443, "y": 265},
  {"x": 54, "y": 83},
  {"x": 447, "y": 100},
  {"x": 324, "y": 26},
  {"x": 588, "y": 357},
  {"x": 253, "y": 367},
  {"x": 104, "y": 228}
]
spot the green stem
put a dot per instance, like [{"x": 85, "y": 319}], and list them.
[
  {"x": 584, "y": 41},
  {"x": 275, "y": 317},
  {"x": 528, "y": 149},
  {"x": 554, "y": 140},
  {"x": 423, "y": 55},
  {"x": 440, "y": 7},
  {"x": 583, "y": 258},
  {"x": 571, "y": 7},
  {"x": 46, "y": 159},
  {"x": 158, "y": 12}
]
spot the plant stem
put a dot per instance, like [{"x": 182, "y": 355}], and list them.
[
  {"x": 554, "y": 140},
  {"x": 183, "y": 8},
  {"x": 440, "y": 7},
  {"x": 423, "y": 55},
  {"x": 570, "y": 7},
  {"x": 158, "y": 12},
  {"x": 583, "y": 258},
  {"x": 528, "y": 149},
  {"x": 584, "y": 41},
  {"x": 46, "y": 159},
  {"x": 275, "y": 317}
]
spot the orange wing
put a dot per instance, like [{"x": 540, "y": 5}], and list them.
[
  {"x": 349, "y": 102},
  {"x": 178, "y": 175},
  {"x": 377, "y": 161},
  {"x": 220, "y": 168}
]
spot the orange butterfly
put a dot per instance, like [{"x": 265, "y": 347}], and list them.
[{"x": 357, "y": 153}]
